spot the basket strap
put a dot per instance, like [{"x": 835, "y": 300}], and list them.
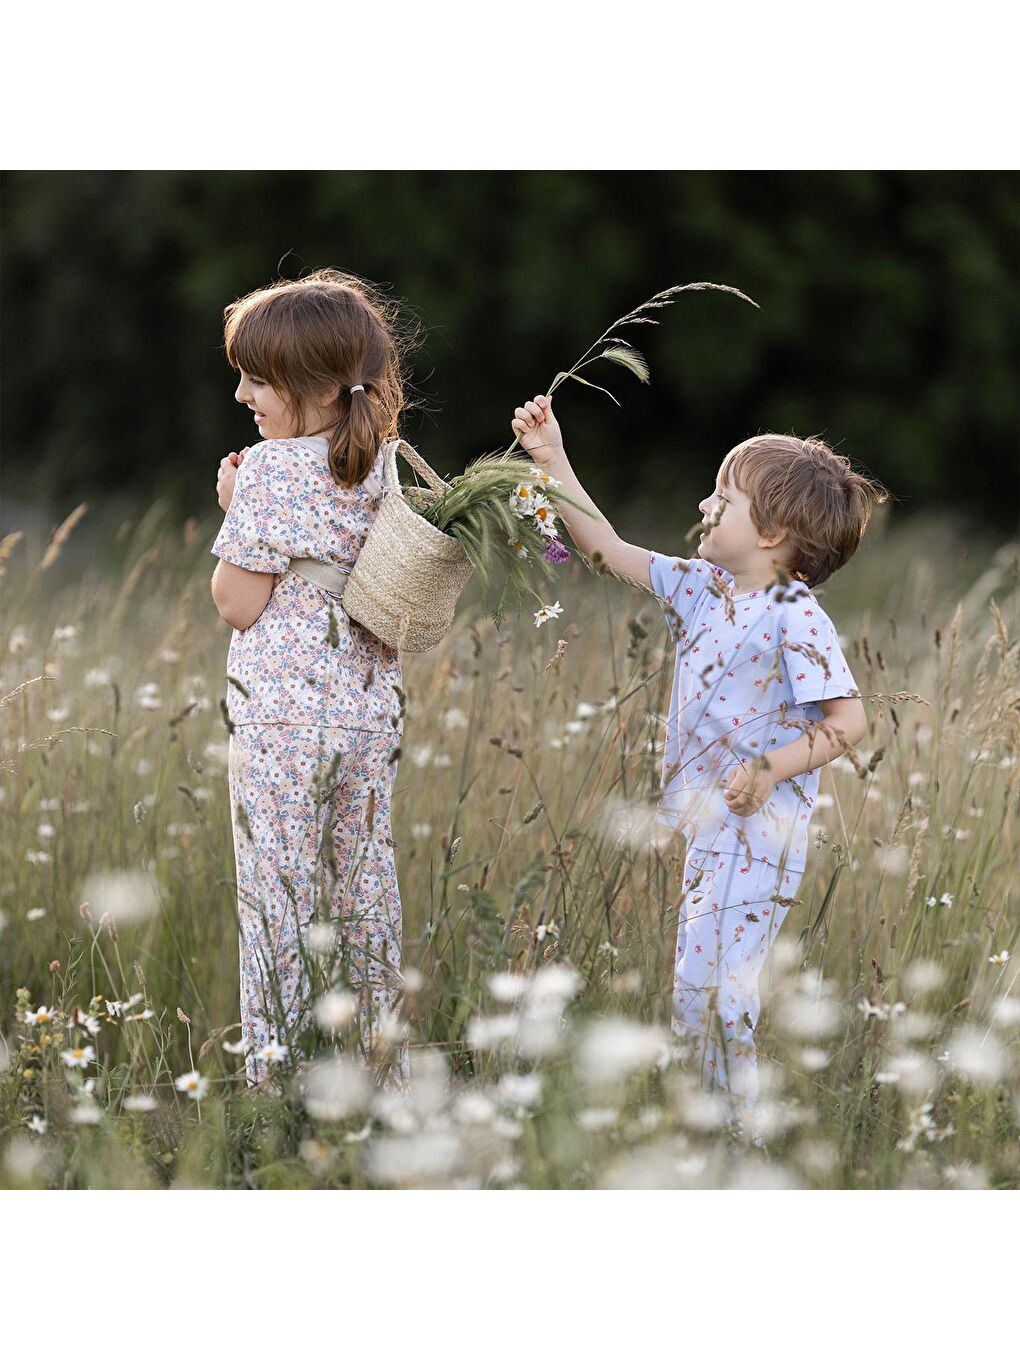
[{"x": 403, "y": 448}]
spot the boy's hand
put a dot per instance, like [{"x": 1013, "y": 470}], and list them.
[
  {"x": 226, "y": 477},
  {"x": 538, "y": 429},
  {"x": 748, "y": 788}
]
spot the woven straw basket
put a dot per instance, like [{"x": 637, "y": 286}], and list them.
[{"x": 409, "y": 575}]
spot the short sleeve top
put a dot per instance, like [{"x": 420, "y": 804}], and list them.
[
  {"x": 749, "y": 670},
  {"x": 304, "y": 660}
]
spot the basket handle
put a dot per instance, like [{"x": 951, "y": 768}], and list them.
[{"x": 419, "y": 464}]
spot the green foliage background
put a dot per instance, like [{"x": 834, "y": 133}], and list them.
[{"x": 888, "y": 322}]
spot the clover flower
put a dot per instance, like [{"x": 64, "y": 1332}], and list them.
[{"x": 556, "y": 553}]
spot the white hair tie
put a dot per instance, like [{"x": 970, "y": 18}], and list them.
[{"x": 357, "y": 388}]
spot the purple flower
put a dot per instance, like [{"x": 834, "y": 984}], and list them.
[{"x": 556, "y": 552}]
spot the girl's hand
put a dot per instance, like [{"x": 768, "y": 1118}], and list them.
[
  {"x": 226, "y": 477},
  {"x": 538, "y": 430},
  {"x": 748, "y": 788}
]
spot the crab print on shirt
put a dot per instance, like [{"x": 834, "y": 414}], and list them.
[{"x": 749, "y": 668}]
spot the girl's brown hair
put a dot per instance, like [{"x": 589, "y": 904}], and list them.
[
  {"x": 307, "y": 336},
  {"x": 805, "y": 487}
]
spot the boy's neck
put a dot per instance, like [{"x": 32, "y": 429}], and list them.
[
  {"x": 745, "y": 587},
  {"x": 759, "y": 578}
]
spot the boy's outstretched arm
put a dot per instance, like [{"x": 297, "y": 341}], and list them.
[{"x": 539, "y": 433}]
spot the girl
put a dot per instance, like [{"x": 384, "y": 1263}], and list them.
[{"x": 314, "y": 700}]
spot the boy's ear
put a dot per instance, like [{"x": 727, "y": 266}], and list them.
[{"x": 773, "y": 541}]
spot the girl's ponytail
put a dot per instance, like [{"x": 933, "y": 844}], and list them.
[{"x": 366, "y": 419}]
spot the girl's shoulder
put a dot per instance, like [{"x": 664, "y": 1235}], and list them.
[
  {"x": 284, "y": 456},
  {"x": 287, "y": 459},
  {"x": 265, "y": 447}
]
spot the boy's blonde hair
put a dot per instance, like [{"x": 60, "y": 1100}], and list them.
[{"x": 805, "y": 487}]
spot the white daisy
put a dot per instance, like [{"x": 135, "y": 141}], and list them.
[
  {"x": 42, "y": 1016},
  {"x": 148, "y": 696},
  {"x": 547, "y": 612},
  {"x": 336, "y": 1009},
  {"x": 140, "y": 1103},
  {"x": 518, "y": 546},
  {"x": 545, "y": 517},
  {"x": 195, "y": 1085},
  {"x": 83, "y": 1021},
  {"x": 85, "y": 1112},
  {"x": 545, "y": 479},
  {"x": 78, "y": 1057},
  {"x": 273, "y": 1052},
  {"x": 522, "y": 500},
  {"x": 1000, "y": 959}
]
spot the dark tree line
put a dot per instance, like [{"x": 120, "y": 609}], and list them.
[{"x": 888, "y": 322}]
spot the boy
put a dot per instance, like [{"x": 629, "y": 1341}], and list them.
[{"x": 762, "y": 697}]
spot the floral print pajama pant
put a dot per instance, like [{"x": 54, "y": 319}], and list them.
[
  {"x": 728, "y": 920},
  {"x": 310, "y": 808}
]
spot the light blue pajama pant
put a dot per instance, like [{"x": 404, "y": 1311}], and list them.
[{"x": 728, "y": 920}]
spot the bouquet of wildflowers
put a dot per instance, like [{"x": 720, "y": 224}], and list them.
[{"x": 503, "y": 509}]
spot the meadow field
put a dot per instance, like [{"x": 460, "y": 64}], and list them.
[{"x": 540, "y": 898}]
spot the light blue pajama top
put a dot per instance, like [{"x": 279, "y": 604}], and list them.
[{"x": 748, "y": 668}]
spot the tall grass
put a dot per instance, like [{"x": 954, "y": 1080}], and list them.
[{"x": 525, "y": 847}]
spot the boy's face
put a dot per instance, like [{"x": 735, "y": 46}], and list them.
[{"x": 731, "y": 539}]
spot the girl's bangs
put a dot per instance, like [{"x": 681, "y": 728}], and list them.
[{"x": 250, "y": 348}]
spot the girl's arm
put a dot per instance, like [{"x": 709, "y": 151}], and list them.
[
  {"x": 240, "y": 595},
  {"x": 539, "y": 433}
]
